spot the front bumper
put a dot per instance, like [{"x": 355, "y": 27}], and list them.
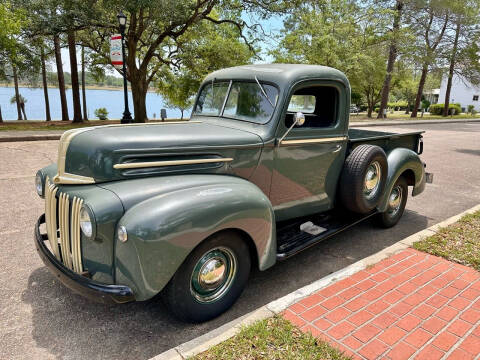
[{"x": 86, "y": 287}]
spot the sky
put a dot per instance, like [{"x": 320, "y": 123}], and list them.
[{"x": 271, "y": 26}]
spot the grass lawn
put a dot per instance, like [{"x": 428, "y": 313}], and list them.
[
  {"x": 459, "y": 242},
  {"x": 56, "y": 125},
  {"x": 273, "y": 338},
  {"x": 400, "y": 115}
]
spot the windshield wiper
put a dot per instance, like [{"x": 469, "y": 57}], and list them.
[{"x": 263, "y": 92}]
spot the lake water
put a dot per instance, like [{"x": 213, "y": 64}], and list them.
[{"x": 112, "y": 100}]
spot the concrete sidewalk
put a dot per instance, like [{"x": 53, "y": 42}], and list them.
[
  {"x": 32, "y": 135},
  {"x": 410, "y": 305}
]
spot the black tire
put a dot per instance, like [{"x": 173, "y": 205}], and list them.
[
  {"x": 181, "y": 295},
  {"x": 391, "y": 217},
  {"x": 353, "y": 191}
]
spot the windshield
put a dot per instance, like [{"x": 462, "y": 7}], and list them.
[{"x": 239, "y": 100}]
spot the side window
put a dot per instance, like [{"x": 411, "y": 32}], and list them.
[
  {"x": 303, "y": 103},
  {"x": 475, "y": 97},
  {"x": 319, "y": 105}
]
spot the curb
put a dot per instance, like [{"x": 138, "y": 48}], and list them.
[
  {"x": 29, "y": 138},
  {"x": 230, "y": 329},
  {"x": 352, "y": 124}
]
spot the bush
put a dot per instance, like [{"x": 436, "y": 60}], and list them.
[
  {"x": 437, "y": 109},
  {"x": 471, "y": 109},
  {"x": 399, "y": 105},
  {"x": 425, "y": 104},
  {"x": 101, "y": 113}
]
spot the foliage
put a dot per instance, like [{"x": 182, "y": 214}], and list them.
[
  {"x": 205, "y": 49},
  {"x": 177, "y": 90},
  {"x": 471, "y": 109},
  {"x": 457, "y": 242},
  {"x": 21, "y": 98},
  {"x": 406, "y": 90},
  {"x": 101, "y": 113},
  {"x": 437, "y": 109},
  {"x": 11, "y": 21},
  {"x": 164, "y": 36},
  {"x": 273, "y": 338},
  {"x": 425, "y": 104},
  {"x": 342, "y": 34},
  {"x": 398, "y": 105}
]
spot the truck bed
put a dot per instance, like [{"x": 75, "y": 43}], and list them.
[{"x": 386, "y": 140}]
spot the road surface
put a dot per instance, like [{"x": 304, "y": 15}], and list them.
[{"x": 42, "y": 319}]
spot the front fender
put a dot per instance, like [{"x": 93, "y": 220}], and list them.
[
  {"x": 399, "y": 161},
  {"x": 164, "y": 229}
]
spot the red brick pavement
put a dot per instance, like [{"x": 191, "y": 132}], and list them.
[{"x": 411, "y": 305}]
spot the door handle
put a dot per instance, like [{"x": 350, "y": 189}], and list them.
[{"x": 337, "y": 148}]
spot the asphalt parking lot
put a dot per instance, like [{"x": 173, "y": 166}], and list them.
[{"x": 42, "y": 319}]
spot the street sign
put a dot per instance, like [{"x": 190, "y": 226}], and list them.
[{"x": 116, "y": 50}]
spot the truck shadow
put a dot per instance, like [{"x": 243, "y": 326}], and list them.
[{"x": 69, "y": 326}]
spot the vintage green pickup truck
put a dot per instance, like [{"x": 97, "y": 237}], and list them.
[{"x": 265, "y": 168}]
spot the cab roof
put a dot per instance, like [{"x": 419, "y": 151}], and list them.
[{"x": 281, "y": 74}]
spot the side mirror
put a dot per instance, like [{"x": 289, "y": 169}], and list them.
[{"x": 299, "y": 119}]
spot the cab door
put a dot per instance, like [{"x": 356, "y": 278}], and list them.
[{"x": 309, "y": 159}]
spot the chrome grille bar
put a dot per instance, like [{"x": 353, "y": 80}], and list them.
[
  {"x": 68, "y": 236},
  {"x": 63, "y": 219},
  {"x": 51, "y": 216},
  {"x": 75, "y": 233}
]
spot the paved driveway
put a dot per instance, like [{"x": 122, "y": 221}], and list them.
[{"x": 39, "y": 318}]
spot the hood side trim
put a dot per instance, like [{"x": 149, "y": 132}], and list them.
[{"x": 170, "y": 163}]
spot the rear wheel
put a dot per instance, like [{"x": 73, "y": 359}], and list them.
[
  {"x": 397, "y": 200},
  {"x": 210, "y": 280}
]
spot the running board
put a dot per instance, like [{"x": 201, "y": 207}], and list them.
[{"x": 299, "y": 234}]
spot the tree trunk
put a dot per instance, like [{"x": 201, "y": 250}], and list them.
[
  {"x": 370, "y": 108},
  {"x": 451, "y": 69},
  {"x": 1, "y": 118},
  {"x": 22, "y": 106},
  {"x": 84, "y": 95},
  {"x": 17, "y": 94},
  {"x": 45, "y": 85},
  {"x": 72, "y": 50},
  {"x": 181, "y": 118},
  {"x": 421, "y": 85},
  {"x": 392, "y": 57},
  {"x": 61, "y": 78},
  {"x": 139, "y": 94}
]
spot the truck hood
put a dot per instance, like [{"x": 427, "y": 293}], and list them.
[{"x": 116, "y": 152}]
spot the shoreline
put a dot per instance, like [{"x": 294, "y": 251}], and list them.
[{"x": 68, "y": 87}]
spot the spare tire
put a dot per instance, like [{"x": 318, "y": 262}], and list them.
[{"x": 363, "y": 178}]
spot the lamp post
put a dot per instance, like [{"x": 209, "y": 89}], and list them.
[{"x": 122, "y": 22}]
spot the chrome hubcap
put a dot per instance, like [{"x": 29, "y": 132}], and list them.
[
  {"x": 395, "y": 201},
  {"x": 213, "y": 275},
  {"x": 372, "y": 180}
]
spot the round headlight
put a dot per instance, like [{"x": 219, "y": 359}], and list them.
[
  {"x": 86, "y": 222},
  {"x": 122, "y": 234},
  {"x": 39, "y": 184}
]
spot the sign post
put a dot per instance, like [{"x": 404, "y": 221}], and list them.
[{"x": 117, "y": 56}]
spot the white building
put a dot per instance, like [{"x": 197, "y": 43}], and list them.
[{"x": 462, "y": 92}]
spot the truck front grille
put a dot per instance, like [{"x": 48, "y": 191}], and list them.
[{"x": 62, "y": 217}]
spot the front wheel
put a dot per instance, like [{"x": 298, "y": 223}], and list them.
[
  {"x": 397, "y": 199},
  {"x": 211, "y": 279}
]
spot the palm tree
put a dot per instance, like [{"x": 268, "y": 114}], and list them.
[{"x": 22, "y": 102}]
